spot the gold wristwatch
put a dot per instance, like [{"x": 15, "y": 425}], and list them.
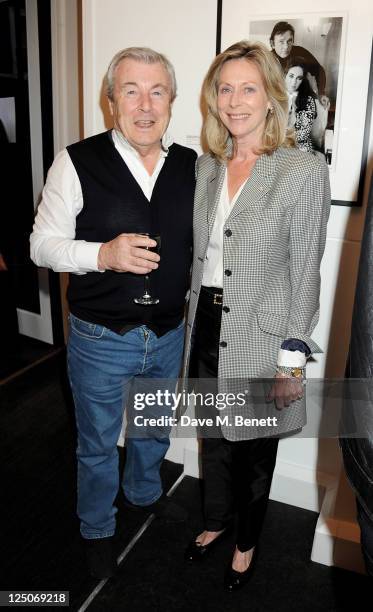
[{"x": 291, "y": 371}]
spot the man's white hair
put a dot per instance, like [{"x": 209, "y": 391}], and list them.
[{"x": 144, "y": 55}]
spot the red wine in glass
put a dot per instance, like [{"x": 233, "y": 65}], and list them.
[{"x": 147, "y": 299}]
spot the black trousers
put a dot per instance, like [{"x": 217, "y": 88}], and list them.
[{"x": 237, "y": 475}]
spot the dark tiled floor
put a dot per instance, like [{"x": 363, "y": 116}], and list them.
[
  {"x": 155, "y": 577},
  {"x": 28, "y": 352},
  {"x": 40, "y": 542}
]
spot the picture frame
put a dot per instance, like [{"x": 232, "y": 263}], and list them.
[{"x": 348, "y": 69}]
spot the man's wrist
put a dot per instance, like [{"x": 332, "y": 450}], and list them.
[
  {"x": 85, "y": 255},
  {"x": 100, "y": 259}
]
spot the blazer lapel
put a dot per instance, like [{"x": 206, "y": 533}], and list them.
[
  {"x": 214, "y": 187},
  {"x": 258, "y": 185}
]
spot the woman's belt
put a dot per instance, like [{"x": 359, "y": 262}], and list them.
[{"x": 212, "y": 295}]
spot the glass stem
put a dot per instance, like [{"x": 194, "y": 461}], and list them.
[{"x": 146, "y": 279}]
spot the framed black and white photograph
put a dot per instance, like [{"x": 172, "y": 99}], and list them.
[
  {"x": 326, "y": 61},
  {"x": 309, "y": 50}
]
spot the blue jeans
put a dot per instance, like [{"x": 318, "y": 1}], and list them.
[{"x": 102, "y": 366}]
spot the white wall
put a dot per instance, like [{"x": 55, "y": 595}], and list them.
[{"x": 186, "y": 32}]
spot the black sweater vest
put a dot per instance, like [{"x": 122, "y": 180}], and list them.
[{"x": 114, "y": 204}]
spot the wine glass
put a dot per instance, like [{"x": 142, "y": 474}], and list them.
[{"x": 147, "y": 299}]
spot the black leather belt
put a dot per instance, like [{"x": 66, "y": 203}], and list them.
[{"x": 213, "y": 294}]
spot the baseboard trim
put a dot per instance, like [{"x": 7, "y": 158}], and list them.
[{"x": 336, "y": 541}]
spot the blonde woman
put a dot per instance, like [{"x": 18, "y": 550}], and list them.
[{"x": 261, "y": 210}]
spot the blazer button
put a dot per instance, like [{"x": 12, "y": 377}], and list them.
[
  {"x": 227, "y": 272},
  {"x": 228, "y": 233},
  {"x": 223, "y": 344},
  {"x": 226, "y": 309}
]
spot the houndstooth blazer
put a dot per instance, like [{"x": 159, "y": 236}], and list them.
[{"x": 273, "y": 252}]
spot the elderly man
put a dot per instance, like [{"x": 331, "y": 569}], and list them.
[
  {"x": 283, "y": 48},
  {"x": 103, "y": 198}
]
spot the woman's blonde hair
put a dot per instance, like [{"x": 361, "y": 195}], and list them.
[{"x": 276, "y": 134}]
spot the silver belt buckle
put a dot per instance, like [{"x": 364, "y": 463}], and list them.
[{"x": 218, "y": 299}]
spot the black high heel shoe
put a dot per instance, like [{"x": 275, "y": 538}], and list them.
[
  {"x": 233, "y": 580},
  {"x": 196, "y": 552}
]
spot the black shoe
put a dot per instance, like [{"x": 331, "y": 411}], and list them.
[
  {"x": 100, "y": 557},
  {"x": 196, "y": 552},
  {"x": 233, "y": 581},
  {"x": 164, "y": 508}
]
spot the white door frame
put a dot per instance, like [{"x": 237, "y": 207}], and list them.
[{"x": 37, "y": 326}]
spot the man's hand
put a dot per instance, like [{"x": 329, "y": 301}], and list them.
[
  {"x": 325, "y": 102},
  {"x": 128, "y": 253},
  {"x": 286, "y": 389}
]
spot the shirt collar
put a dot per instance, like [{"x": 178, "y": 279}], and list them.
[{"x": 119, "y": 139}]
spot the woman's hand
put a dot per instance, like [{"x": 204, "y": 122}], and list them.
[{"x": 285, "y": 390}]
